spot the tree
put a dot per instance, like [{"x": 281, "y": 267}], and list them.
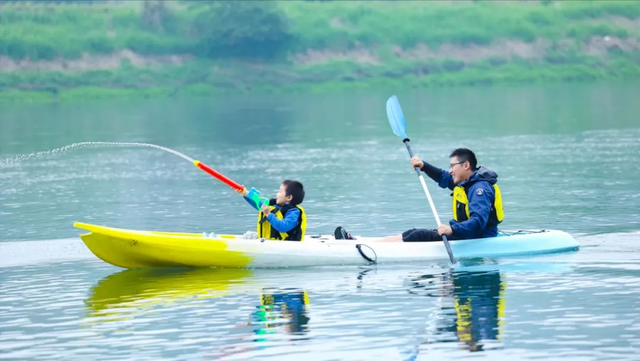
[
  {"x": 155, "y": 16},
  {"x": 241, "y": 29}
]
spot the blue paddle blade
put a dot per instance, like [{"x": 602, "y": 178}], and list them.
[{"x": 396, "y": 117}]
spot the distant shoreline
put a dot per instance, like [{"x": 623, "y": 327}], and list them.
[
  {"x": 68, "y": 51},
  {"x": 575, "y": 74}
]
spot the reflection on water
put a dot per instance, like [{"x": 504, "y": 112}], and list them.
[
  {"x": 286, "y": 308},
  {"x": 346, "y": 313},
  {"x": 126, "y": 291},
  {"x": 123, "y": 295},
  {"x": 479, "y": 305},
  {"x": 471, "y": 303},
  {"x": 469, "y": 309},
  {"x": 466, "y": 305}
]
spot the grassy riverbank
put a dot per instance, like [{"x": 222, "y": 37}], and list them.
[{"x": 129, "y": 49}]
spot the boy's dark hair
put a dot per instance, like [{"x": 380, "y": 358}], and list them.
[
  {"x": 464, "y": 155},
  {"x": 295, "y": 189}
]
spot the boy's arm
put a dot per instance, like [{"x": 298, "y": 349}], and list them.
[
  {"x": 284, "y": 225},
  {"x": 253, "y": 198}
]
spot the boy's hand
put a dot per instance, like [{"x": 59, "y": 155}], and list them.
[
  {"x": 416, "y": 162},
  {"x": 265, "y": 209}
]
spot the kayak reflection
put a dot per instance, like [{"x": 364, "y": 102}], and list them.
[
  {"x": 126, "y": 291},
  {"x": 129, "y": 293}
]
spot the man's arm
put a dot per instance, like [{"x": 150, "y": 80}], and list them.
[
  {"x": 480, "y": 200},
  {"x": 284, "y": 225},
  {"x": 440, "y": 176}
]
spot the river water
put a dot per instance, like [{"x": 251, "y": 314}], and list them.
[{"x": 566, "y": 156}]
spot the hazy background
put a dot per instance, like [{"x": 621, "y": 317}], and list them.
[{"x": 61, "y": 50}]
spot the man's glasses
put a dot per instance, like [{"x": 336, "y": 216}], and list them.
[{"x": 454, "y": 164}]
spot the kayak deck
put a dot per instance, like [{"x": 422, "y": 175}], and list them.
[{"x": 133, "y": 249}]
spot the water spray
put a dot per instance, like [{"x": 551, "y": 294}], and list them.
[{"x": 252, "y": 195}]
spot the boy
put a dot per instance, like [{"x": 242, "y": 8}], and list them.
[{"x": 284, "y": 218}]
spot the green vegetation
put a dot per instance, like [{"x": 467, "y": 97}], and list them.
[{"x": 96, "y": 49}]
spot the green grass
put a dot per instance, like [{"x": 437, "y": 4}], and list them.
[
  {"x": 46, "y": 32},
  {"x": 435, "y": 23}
]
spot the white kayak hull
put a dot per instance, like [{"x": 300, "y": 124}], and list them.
[{"x": 132, "y": 249}]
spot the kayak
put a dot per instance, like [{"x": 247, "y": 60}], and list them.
[{"x": 132, "y": 249}]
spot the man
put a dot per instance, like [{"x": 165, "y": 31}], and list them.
[{"x": 477, "y": 202}]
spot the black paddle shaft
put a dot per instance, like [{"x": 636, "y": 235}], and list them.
[{"x": 406, "y": 143}]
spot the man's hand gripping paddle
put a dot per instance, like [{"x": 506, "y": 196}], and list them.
[{"x": 399, "y": 127}]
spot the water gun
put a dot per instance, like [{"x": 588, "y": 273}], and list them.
[{"x": 252, "y": 196}]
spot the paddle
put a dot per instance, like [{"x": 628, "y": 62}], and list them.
[
  {"x": 253, "y": 196},
  {"x": 399, "y": 127}
]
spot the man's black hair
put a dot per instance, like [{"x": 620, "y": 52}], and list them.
[
  {"x": 294, "y": 189},
  {"x": 464, "y": 155}
]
